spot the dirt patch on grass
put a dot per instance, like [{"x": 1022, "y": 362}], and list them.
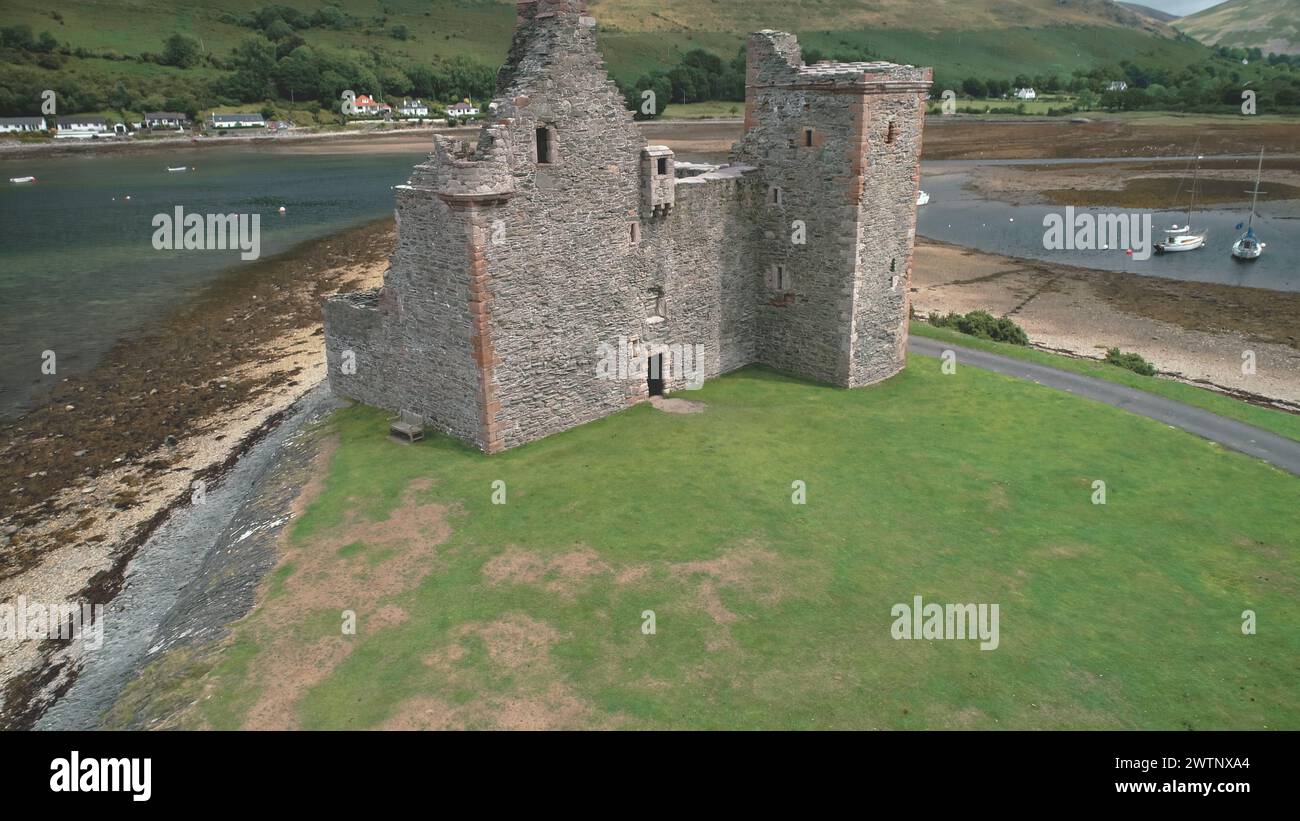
[
  {"x": 755, "y": 570},
  {"x": 424, "y": 713},
  {"x": 537, "y": 697},
  {"x": 515, "y": 640},
  {"x": 677, "y": 405},
  {"x": 562, "y": 573},
  {"x": 399, "y": 552}
]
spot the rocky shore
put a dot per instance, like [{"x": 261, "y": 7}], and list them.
[{"x": 86, "y": 477}]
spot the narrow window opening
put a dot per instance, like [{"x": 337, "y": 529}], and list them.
[
  {"x": 634, "y": 231},
  {"x": 889, "y": 135},
  {"x": 543, "y": 145},
  {"x": 779, "y": 280},
  {"x": 776, "y": 196},
  {"x": 663, "y": 166},
  {"x": 808, "y": 137}
]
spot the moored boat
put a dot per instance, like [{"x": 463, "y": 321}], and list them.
[
  {"x": 1248, "y": 247},
  {"x": 1181, "y": 238},
  {"x": 22, "y": 180}
]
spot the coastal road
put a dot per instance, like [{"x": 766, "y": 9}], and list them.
[{"x": 1276, "y": 450}]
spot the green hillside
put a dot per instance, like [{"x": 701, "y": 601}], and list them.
[
  {"x": 111, "y": 54},
  {"x": 1272, "y": 26}
]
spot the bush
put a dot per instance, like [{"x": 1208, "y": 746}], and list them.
[
  {"x": 1131, "y": 361},
  {"x": 982, "y": 325}
]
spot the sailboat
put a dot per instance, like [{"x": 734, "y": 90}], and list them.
[
  {"x": 1181, "y": 238},
  {"x": 1248, "y": 246}
]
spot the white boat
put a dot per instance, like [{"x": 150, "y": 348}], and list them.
[
  {"x": 182, "y": 168},
  {"x": 1180, "y": 242},
  {"x": 21, "y": 180},
  {"x": 1180, "y": 237},
  {"x": 1248, "y": 246},
  {"x": 922, "y": 198}
]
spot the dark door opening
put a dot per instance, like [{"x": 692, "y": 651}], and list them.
[{"x": 655, "y": 375}]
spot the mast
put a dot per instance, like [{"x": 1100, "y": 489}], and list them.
[
  {"x": 1254, "y": 195},
  {"x": 1192, "y": 205}
]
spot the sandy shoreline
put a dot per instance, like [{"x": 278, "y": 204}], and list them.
[
  {"x": 87, "y": 477},
  {"x": 377, "y": 142},
  {"x": 1195, "y": 331}
]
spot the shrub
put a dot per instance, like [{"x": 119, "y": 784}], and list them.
[
  {"x": 983, "y": 325},
  {"x": 1131, "y": 361}
]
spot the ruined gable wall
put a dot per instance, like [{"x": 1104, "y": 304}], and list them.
[{"x": 558, "y": 277}]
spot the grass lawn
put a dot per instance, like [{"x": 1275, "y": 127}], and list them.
[
  {"x": 713, "y": 110},
  {"x": 969, "y": 488},
  {"x": 1276, "y": 421}
]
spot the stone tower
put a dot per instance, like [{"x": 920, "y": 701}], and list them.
[
  {"x": 837, "y": 147},
  {"x": 523, "y": 262}
]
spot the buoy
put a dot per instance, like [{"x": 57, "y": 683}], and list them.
[{"x": 281, "y": 209}]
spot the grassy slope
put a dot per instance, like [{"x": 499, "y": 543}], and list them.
[
  {"x": 965, "y": 488},
  {"x": 978, "y": 37},
  {"x": 1279, "y": 422},
  {"x": 1271, "y": 25}
]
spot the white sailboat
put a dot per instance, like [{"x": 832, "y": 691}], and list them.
[
  {"x": 1248, "y": 246},
  {"x": 1181, "y": 238}
]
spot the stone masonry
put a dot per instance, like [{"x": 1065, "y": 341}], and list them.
[{"x": 524, "y": 260}]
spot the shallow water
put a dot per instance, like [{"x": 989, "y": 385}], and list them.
[
  {"x": 963, "y": 217},
  {"x": 78, "y": 270}
]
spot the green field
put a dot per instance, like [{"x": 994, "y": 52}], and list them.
[
  {"x": 1275, "y": 421},
  {"x": 965, "y": 488}
]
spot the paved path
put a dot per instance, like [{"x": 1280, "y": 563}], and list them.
[{"x": 1276, "y": 450}]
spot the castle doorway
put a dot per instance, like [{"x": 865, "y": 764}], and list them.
[{"x": 655, "y": 375}]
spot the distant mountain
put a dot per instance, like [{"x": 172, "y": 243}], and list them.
[
  {"x": 1155, "y": 14},
  {"x": 1272, "y": 26}
]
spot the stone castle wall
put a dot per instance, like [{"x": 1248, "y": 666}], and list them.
[{"x": 522, "y": 262}]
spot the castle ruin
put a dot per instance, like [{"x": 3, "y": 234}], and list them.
[{"x": 522, "y": 260}]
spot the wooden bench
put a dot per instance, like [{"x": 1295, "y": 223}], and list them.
[{"x": 409, "y": 425}]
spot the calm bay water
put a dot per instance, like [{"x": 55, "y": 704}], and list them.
[
  {"x": 78, "y": 270},
  {"x": 963, "y": 217}
]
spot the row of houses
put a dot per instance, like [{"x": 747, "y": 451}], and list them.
[
  {"x": 63, "y": 126},
  {"x": 91, "y": 126},
  {"x": 366, "y": 106}
]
